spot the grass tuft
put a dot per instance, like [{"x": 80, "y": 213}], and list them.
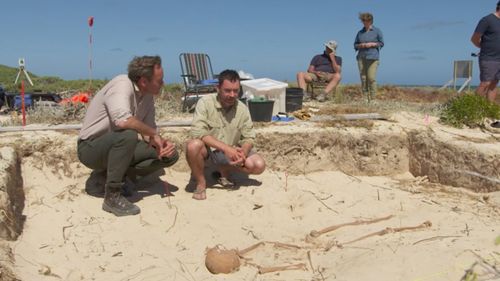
[{"x": 470, "y": 110}]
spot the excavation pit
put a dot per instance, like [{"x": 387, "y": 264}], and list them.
[{"x": 317, "y": 176}]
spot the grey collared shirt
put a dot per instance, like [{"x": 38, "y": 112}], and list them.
[
  {"x": 364, "y": 36},
  {"x": 117, "y": 101}
]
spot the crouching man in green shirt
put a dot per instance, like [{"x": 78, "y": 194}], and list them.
[{"x": 223, "y": 133}]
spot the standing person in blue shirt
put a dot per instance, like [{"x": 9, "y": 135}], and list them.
[{"x": 368, "y": 43}]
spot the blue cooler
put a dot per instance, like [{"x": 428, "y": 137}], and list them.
[{"x": 28, "y": 102}]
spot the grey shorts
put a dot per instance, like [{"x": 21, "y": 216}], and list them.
[
  {"x": 320, "y": 77},
  {"x": 219, "y": 158},
  {"x": 489, "y": 70}
]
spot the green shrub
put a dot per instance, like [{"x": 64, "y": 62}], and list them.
[{"x": 470, "y": 110}]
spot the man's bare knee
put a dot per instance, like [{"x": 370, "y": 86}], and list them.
[
  {"x": 256, "y": 165},
  {"x": 301, "y": 76},
  {"x": 195, "y": 146},
  {"x": 260, "y": 166}
]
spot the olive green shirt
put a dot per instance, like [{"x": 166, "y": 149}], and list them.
[{"x": 232, "y": 126}]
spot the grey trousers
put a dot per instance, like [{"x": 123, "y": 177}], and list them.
[{"x": 121, "y": 153}]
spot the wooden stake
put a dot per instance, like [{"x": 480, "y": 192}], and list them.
[{"x": 79, "y": 126}]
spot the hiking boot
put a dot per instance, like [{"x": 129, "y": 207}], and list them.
[
  {"x": 307, "y": 96},
  {"x": 128, "y": 187},
  {"x": 116, "y": 203},
  {"x": 94, "y": 186}
]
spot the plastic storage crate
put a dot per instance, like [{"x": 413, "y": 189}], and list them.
[{"x": 267, "y": 88}]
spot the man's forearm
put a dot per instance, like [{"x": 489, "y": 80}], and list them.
[
  {"x": 476, "y": 39},
  {"x": 215, "y": 143},
  {"x": 137, "y": 125},
  {"x": 246, "y": 147}
]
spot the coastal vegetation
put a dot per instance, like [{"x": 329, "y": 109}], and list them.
[
  {"x": 453, "y": 109},
  {"x": 468, "y": 110}
]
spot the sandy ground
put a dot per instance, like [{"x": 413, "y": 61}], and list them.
[{"x": 67, "y": 236}]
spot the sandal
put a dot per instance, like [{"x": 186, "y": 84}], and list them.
[
  {"x": 200, "y": 194},
  {"x": 225, "y": 183}
]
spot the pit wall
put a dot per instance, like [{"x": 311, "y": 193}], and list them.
[
  {"x": 368, "y": 154},
  {"x": 11, "y": 208},
  {"x": 11, "y": 195},
  {"x": 447, "y": 163},
  {"x": 363, "y": 152}
]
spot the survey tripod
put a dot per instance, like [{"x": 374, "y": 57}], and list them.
[{"x": 22, "y": 70}]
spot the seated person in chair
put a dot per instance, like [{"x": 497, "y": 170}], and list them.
[
  {"x": 324, "y": 67},
  {"x": 222, "y": 132}
]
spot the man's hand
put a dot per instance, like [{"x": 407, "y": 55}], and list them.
[
  {"x": 319, "y": 73},
  {"x": 164, "y": 148},
  {"x": 242, "y": 153},
  {"x": 168, "y": 149},
  {"x": 236, "y": 156},
  {"x": 368, "y": 45},
  {"x": 332, "y": 55}
]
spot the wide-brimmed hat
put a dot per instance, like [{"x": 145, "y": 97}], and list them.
[{"x": 332, "y": 45}]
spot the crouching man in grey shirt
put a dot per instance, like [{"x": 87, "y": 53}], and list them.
[{"x": 119, "y": 135}]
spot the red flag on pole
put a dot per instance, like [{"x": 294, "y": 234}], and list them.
[{"x": 91, "y": 23}]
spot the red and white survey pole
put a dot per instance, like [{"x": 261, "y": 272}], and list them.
[
  {"x": 23, "y": 106},
  {"x": 22, "y": 70},
  {"x": 91, "y": 23}
]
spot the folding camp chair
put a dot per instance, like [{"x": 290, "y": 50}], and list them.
[
  {"x": 198, "y": 77},
  {"x": 461, "y": 69},
  {"x": 311, "y": 86}
]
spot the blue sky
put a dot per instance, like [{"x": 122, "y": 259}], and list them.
[{"x": 273, "y": 38}]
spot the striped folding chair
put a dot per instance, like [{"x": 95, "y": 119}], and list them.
[{"x": 198, "y": 78}]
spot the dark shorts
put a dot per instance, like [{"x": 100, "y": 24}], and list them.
[
  {"x": 489, "y": 70},
  {"x": 219, "y": 158}
]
